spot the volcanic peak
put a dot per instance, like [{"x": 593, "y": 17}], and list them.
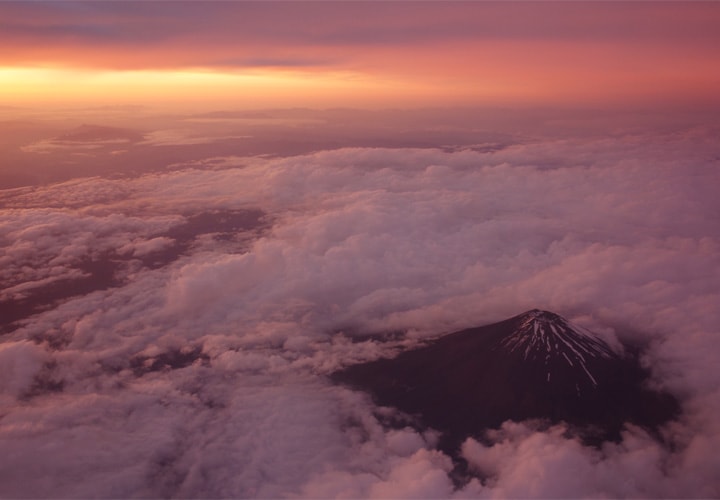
[
  {"x": 536, "y": 365},
  {"x": 542, "y": 336}
]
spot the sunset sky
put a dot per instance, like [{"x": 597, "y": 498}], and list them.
[{"x": 359, "y": 54}]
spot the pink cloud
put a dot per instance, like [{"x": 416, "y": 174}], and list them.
[{"x": 614, "y": 232}]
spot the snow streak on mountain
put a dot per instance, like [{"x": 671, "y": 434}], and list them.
[{"x": 546, "y": 336}]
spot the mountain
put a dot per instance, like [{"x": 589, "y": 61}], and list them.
[{"x": 536, "y": 365}]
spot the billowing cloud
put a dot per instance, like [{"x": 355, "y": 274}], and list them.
[
  {"x": 204, "y": 375},
  {"x": 523, "y": 462}
]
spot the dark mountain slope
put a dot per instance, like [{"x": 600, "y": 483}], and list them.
[{"x": 533, "y": 366}]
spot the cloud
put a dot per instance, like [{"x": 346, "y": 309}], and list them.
[
  {"x": 20, "y": 362},
  {"x": 523, "y": 462},
  {"x": 76, "y": 147},
  {"x": 233, "y": 26},
  {"x": 51, "y": 248},
  {"x": 85, "y": 139},
  {"x": 146, "y": 247},
  {"x": 179, "y": 137},
  {"x": 205, "y": 376}
]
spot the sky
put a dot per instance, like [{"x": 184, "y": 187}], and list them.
[
  {"x": 208, "y": 208},
  {"x": 359, "y": 54}
]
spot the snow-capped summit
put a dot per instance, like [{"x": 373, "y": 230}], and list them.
[
  {"x": 536, "y": 365},
  {"x": 545, "y": 336}
]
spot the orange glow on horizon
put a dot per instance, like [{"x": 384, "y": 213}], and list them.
[
  {"x": 257, "y": 88},
  {"x": 488, "y": 83},
  {"x": 252, "y": 88}
]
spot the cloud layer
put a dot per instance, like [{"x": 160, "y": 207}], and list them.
[{"x": 204, "y": 375}]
